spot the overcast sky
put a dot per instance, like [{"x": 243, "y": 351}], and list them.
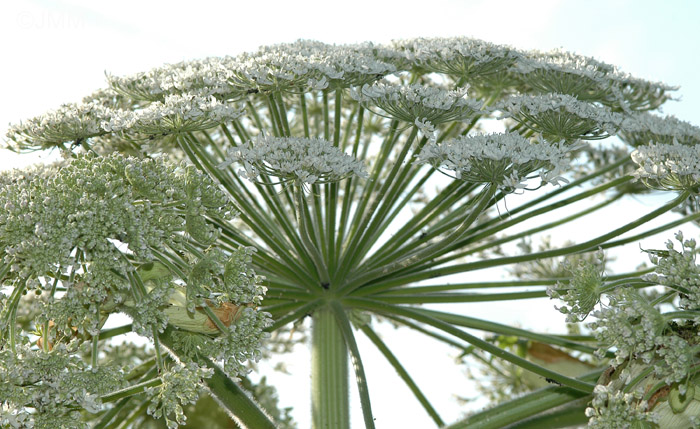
[{"x": 58, "y": 51}]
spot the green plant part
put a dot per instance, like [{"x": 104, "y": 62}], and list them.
[{"x": 222, "y": 203}]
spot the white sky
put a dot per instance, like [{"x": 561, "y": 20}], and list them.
[{"x": 58, "y": 51}]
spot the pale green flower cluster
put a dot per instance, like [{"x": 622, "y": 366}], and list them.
[
  {"x": 225, "y": 278},
  {"x": 504, "y": 160},
  {"x": 589, "y": 80},
  {"x": 460, "y": 56},
  {"x": 676, "y": 359},
  {"x": 204, "y": 77},
  {"x": 678, "y": 270},
  {"x": 582, "y": 292},
  {"x": 306, "y": 160},
  {"x": 181, "y": 385},
  {"x": 70, "y": 122},
  {"x": 90, "y": 203},
  {"x": 42, "y": 389},
  {"x": 241, "y": 342},
  {"x": 630, "y": 324},
  {"x": 310, "y": 64},
  {"x": 565, "y": 73},
  {"x": 77, "y": 122},
  {"x": 615, "y": 409}
]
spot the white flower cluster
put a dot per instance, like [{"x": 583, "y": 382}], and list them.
[
  {"x": 306, "y": 160},
  {"x": 612, "y": 408},
  {"x": 42, "y": 389},
  {"x": 177, "y": 113},
  {"x": 459, "y": 56},
  {"x": 308, "y": 63},
  {"x": 668, "y": 166},
  {"x": 635, "y": 94},
  {"x": 678, "y": 270},
  {"x": 77, "y": 122},
  {"x": 641, "y": 128},
  {"x": 418, "y": 102},
  {"x": 565, "y": 73},
  {"x": 629, "y": 323},
  {"x": 561, "y": 116},
  {"x": 70, "y": 122},
  {"x": 504, "y": 160},
  {"x": 204, "y": 77},
  {"x": 583, "y": 290}
]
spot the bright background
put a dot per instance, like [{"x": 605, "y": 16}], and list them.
[{"x": 58, "y": 51}]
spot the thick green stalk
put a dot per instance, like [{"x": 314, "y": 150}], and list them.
[
  {"x": 330, "y": 402},
  {"x": 344, "y": 324}
]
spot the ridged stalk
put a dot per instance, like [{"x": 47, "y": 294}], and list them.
[{"x": 330, "y": 408}]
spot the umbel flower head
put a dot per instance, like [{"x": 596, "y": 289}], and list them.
[
  {"x": 583, "y": 290},
  {"x": 92, "y": 200},
  {"x": 630, "y": 323},
  {"x": 205, "y": 77},
  {"x": 460, "y": 57},
  {"x": 672, "y": 167},
  {"x": 295, "y": 159},
  {"x": 629, "y": 396},
  {"x": 678, "y": 270},
  {"x": 504, "y": 160},
  {"x": 90, "y": 220},
  {"x": 175, "y": 114},
  {"x": 642, "y": 128},
  {"x": 307, "y": 63},
  {"x": 70, "y": 122},
  {"x": 418, "y": 102},
  {"x": 565, "y": 73},
  {"x": 48, "y": 389},
  {"x": 561, "y": 116}
]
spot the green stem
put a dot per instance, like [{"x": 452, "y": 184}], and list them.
[
  {"x": 131, "y": 390},
  {"x": 113, "y": 332},
  {"x": 321, "y": 267},
  {"x": 236, "y": 401},
  {"x": 448, "y": 298},
  {"x": 509, "y": 412},
  {"x": 497, "y": 328},
  {"x": 403, "y": 374},
  {"x": 357, "y": 249},
  {"x": 427, "y": 252},
  {"x": 426, "y": 273},
  {"x": 330, "y": 407},
  {"x": 471, "y": 339}
]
